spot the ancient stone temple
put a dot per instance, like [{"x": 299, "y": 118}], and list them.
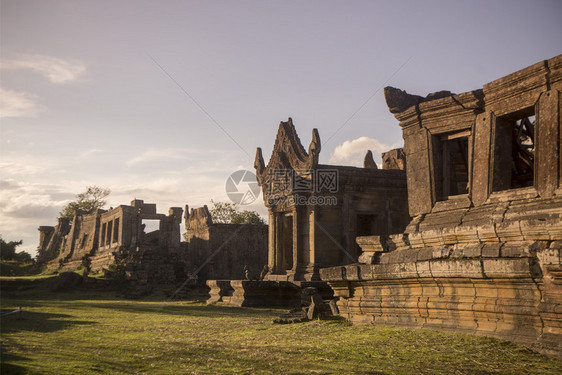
[
  {"x": 102, "y": 235},
  {"x": 482, "y": 253},
  {"x": 317, "y": 210},
  {"x": 315, "y": 213},
  {"x": 147, "y": 245}
]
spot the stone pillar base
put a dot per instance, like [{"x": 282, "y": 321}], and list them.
[{"x": 266, "y": 293}]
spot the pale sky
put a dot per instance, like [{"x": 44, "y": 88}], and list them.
[{"x": 86, "y": 96}]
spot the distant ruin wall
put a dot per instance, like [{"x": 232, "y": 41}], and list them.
[
  {"x": 117, "y": 240},
  {"x": 224, "y": 250},
  {"x": 52, "y": 240}
]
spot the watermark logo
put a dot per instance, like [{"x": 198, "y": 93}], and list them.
[
  {"x": 290, "y": 187},
  {"x": 297, "y": 181},
  {"x": 303, "y": 200},
  {"x": 327, "y": 180},
  {"x": 242, "y": 187}
]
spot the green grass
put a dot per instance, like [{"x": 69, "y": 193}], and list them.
[
  {"x": 28, "y": 277},
  {"x": 94, "y": 332}
]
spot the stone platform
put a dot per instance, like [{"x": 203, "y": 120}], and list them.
[
  {"x": 264, "y": 293},
  {"x": 513, "y": 293}
]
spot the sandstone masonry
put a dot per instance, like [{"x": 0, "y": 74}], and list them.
[{"x": 482, "y": 253}]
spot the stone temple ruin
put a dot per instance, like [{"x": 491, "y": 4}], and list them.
[
  {"x": 316, "y": 210},
  {"x": 482, "y": 251},
  {"x": 99, "y": 236},
  {"x": 461, "y": 230},
  {"x": 315, "y": 213},
  {"x": 118, "y": 239}
]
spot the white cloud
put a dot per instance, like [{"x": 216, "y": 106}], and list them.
[
  {"x": 18, "y": 169},
  {"x": 197, "y": 158},
  {"x": 353, "y": 152},
  {"x": 158, "y": 156},
  {"x": 18, "y": 197},
  {"x": 169, "y": 177},
  {"x": 55, "y": 69},
  {"x": 17, "y": 104},
  {"x": 26, "y": 206},
  {"x": 89, "y": 153}
]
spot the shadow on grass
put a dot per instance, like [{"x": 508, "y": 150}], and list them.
[
  {"x": 148, "y": 305},
  {"x": 181, "y": 308},
  {"x": 8, "y": 367},
  {"x": 37, "y": 322},
  {"x": 110, "y": 291}
]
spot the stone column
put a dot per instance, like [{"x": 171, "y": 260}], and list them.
[
  {"x": 278, "y": 243},
  {"x": 547, "y": 135},
  {"x": 271, "y": 242},
  {"x": 419, "y": 173},
  {"x": 481, "y": 167},
  {"x": 312, "y": 237},
  {"x": 296, "y": 250}
]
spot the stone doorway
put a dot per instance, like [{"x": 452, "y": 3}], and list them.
[{"x": 287, "y": 242}]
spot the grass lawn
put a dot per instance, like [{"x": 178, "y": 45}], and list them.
[{"x": 95, "y": 332}]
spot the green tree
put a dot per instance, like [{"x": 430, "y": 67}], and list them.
[
  {"x": 222, "y": 213},
  {"x": 8, "y": 251},
  {"x": 228, "y": 213},
  {"x": 247, "y": 217},
  {"x": 88, "y": 201}
]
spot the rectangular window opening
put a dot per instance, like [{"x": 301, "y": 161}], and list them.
[
  {"x": 150, "y": 231},
  {"x": 116, "y": 230},
  {"x": 514, "y": 151},
  {"x": 150, "y": 225},
  {"x": 103, "y": 231},
  {"x": 451, "y": 164},
  {"x": 109, "y": 230}
]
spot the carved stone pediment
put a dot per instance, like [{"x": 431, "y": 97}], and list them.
[{"x": 288, "y": 160}]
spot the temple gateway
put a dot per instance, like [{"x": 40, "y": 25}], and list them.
[{"x": 316, "y": 211}]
